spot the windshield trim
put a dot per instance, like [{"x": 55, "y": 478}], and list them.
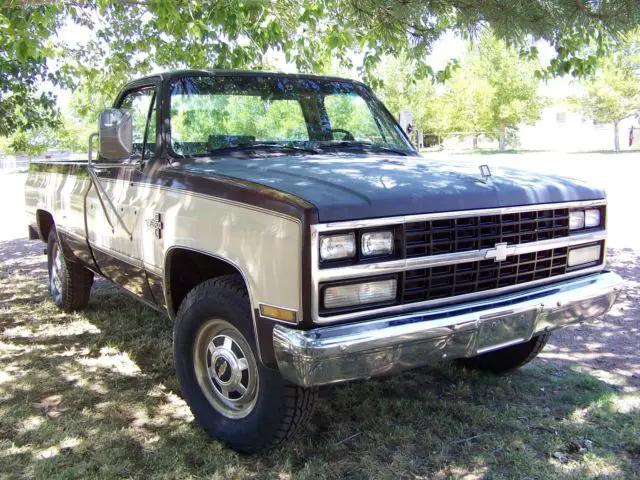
[{"x": 366, "y": 91}]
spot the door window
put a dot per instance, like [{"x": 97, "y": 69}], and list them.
[{"x": 141, "y": 104}]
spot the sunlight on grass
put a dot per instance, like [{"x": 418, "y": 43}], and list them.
[
  {"x": 94, "y": 395},
  {"x": 111, "y": 359},
  {"x": 74, "y": 327}
]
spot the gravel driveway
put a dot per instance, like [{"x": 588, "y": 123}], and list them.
[{"x": 605, "y": 348}]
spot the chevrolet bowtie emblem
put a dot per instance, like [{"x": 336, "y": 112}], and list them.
[{"x": 500, "y": 252}]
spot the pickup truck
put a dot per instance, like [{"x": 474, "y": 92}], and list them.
[{"x": 296, "y": 238}]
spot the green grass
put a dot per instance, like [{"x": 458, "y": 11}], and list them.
[{"x": 94, "y": 395}]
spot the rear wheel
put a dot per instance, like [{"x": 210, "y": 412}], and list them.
[
  {"x": 69, "y": 282},
  {"x": 233, "y": 396},
  {"x": 509, "y": 358}
]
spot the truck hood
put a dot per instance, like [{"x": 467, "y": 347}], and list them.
[{"x": 348, "y": 187}]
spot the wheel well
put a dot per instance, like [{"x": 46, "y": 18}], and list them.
[
  {"x": 185, "y": 269},
  {"x": 45, "y": 222}
]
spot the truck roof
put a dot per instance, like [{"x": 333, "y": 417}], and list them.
[{"x": 172, "y": 74}]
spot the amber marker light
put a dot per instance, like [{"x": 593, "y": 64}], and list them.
[{"x": 278, "y": 313}]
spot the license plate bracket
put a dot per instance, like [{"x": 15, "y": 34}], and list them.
[{"x": 505, "y": 329}]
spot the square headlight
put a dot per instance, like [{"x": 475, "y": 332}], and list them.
[
  {"x": 592, "y": 218},
  {"x": 376, "y": 243},
  {"x": 576, "y": 220},
  {"x": 583, "y": 255},
  {"x": 334, "y": 247},
  {"x": 378, "y": 291}
]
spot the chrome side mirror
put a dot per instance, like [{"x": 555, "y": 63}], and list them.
[{"x": 115, "y": 132}]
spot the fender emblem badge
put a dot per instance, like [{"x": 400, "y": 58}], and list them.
[{"x": 156, "y": 224}]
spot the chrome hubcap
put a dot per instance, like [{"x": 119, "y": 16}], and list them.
[{"x": 226, "y": 369}]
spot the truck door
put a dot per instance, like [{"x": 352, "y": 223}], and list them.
[{"x": 115, "y": 223}]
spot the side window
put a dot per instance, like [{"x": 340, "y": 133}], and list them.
[{"x": 141, "y": 104}]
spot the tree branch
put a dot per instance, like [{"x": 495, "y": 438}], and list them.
[
  {"x": 80, "y": 4},
  {"x": 588, "y": 12}
]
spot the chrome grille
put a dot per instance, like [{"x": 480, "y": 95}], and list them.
[
  {"x": 434, "y": 237},
  {"x": 462, "y": 278}
]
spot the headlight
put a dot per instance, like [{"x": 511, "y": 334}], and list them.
[
  {"x": 589, "y": 218},
  {"x": 360, "y": 293},
  {"x": 376, "y": 243},
  {"x": 338, "y": 246},
  {"x": 576, "y": 220},
  {"x": 592, "y": 218},
  {"x": 580, "y": 256}
]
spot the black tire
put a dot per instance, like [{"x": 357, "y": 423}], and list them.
[
  {"x": 69, "y": 282},
  {"x": 221, "y": 306},
  {"x": 509, "y": 358}
]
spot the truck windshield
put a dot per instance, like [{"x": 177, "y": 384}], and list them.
[{"x": 218, "y": 114}]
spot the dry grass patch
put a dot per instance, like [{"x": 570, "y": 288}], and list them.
[{"x": 94, "y": 395}]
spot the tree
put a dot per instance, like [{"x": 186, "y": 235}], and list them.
[
  {"x": 613, "y": 93},
  {"x": 29, "y": 142},
  {"x": 400, "y": 88},
  {"x": 510, "y": 84},
  {"x": 72, "y": 135},
  {"x": 493, "y": 90},
  {"x": 127, "y": 39},
  {"x": 24, "y": 57},
  {"x": 467, "y": 101}
]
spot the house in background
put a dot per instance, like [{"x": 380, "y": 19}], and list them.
[{"x": 564, "y": 129}]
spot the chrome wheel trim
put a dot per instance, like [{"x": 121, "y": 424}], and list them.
[
  {"x": 55, "y": 276},
  {"x": 225, "y": 368}
]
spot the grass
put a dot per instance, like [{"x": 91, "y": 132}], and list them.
[{"x": 93, "y": 394}]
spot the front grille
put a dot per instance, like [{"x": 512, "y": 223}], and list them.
[
  {"x": 434, "y": 237},
  {"x": 446, "y": 281}
]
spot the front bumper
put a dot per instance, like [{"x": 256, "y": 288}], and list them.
[{"x": 382, "y": 346}]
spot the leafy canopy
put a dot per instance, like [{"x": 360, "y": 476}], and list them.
[
  {"x": 134, "y": 37},
  {"x": 25, "y": 56}
]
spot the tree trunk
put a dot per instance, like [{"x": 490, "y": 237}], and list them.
[
  {"x": 475, "y": 142},
  {"x": 503, "y": 137},
  {"x": 616, "y": 137}
]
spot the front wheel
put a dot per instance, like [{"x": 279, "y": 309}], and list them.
[
  {"x": 509, "y": 358},
  {"x": 69, "y": 282},
  {"x": 233, "y": 396}
]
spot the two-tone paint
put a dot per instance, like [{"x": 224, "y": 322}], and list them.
[
  {"x": 213, "y": 216},
  {"x": 259, "y": 216}
]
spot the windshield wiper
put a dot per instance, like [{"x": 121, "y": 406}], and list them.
[
  {"x": 364, "y": 146},
  {"x": 259, "y": 146}
]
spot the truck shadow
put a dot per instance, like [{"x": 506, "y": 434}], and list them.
[{"x": 93, "y": 394}]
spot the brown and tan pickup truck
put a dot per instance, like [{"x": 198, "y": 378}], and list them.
[{"x": 296, "y": 238}]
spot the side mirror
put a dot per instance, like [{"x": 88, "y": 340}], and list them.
[{"x": 115, "y": 131}]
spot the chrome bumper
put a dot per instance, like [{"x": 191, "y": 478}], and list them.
[{"x": 381, "y": 346}]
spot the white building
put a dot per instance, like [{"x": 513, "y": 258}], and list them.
[{"x": 563, "y": 128}]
